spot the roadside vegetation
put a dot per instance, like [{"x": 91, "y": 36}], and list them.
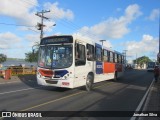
[
  {"x": 3, "y": 58},
  {"x": 32, "y": 56}
]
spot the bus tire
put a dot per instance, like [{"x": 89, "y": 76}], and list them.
[
  {"x": 89, "y": 82},
  {"x": 115, "y": 76}
]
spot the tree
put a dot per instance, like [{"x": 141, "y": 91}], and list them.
[
  {"x": 32, "y": 56},
  {"x": 142, "y": 60},
  {"x": 3, "y": 58}
]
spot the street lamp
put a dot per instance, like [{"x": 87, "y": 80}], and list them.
[
  {"x": 33, "y": 48},
  {"x": 54, "y": 24},
  {"x": 102, "y": 41}
]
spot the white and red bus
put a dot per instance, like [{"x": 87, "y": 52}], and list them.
[
  {"x": 151, "y": 66},
  {"x": 70, "y": 62}
]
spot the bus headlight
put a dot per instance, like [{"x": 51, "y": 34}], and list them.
[
  {"x": 65, "y": 77},
  {"x": 38, "y": 73}
]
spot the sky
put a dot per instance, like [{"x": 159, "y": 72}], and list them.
[{"x": 131, "y": 25}]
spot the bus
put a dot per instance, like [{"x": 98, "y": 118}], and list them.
[
  {"x": 151, "y": 66},
  {"x": 68, "y": 61}
]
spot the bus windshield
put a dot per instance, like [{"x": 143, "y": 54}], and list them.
[
  {"x": 151, "y": 64},
  {"x": 55, "y": 56}
]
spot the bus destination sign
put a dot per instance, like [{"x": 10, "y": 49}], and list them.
[{"x": 57, "y": 40}]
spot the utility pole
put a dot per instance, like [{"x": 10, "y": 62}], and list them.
[
  {"x": 125, "y": 55},
  {"x": 41, "y": 25},
  {"x": 136, "y": 61},
  {"x": 158, "y": 55}
]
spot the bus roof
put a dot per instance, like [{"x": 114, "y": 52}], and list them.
[{"x": 86, "y": 40}]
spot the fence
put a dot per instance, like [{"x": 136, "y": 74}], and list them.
[{"x": 16, "y": 70}]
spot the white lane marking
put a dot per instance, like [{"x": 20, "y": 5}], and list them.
[
  {"x": 9, "y": 82},
  {"x": 142, "y": 101},
  {"x": 16, "y": 82},
  {"x": 19, "y": 90}
]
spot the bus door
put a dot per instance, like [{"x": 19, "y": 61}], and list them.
[
  {"x": 80, "y": 63},
  {"x": 99, "y": 63}
]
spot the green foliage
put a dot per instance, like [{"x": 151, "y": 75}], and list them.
[
  {"x": 32, "y": 56},
  {"x": 15, "y": 59},
  {"x": 142, "y": 60},
  {"x": 3, "y": 58}
]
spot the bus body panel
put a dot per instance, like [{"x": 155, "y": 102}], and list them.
[
  {"x": 109, "y": 67},
  {"x": 99, "y": 67}
]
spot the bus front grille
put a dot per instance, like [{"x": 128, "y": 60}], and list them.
[{"x": 51, "y": 82}]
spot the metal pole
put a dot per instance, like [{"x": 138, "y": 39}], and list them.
[
  {"x": 159, "y": 30},
  {"x": 102, "y": 41},
  {"x": 125, "y": 54},
  {"x": 41, "y": 36},
  {"x": 158, "y": 55},
  {"x": 136, "y": 61}
]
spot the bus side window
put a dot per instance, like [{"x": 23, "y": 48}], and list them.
[
  {"x": 120, "y": 59},
  {"x": 105, "y": 55},
  {"x": 90, "y": 52},
  {"x": 111, "y": 57},
  {"x": 116, "y": 58},
  {"x": 108, "y": 56},
  {"x": 98, "y": 54},
  {"x": 80, "y": 58}
]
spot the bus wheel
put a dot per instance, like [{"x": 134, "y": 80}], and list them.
[
  {"x": 89, "y": 82},
  {"x": 115, "y": 76}
]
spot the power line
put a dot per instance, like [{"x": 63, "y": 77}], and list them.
[
  {"x": 11, "y": 24},
  {"x": 73, "y": 26},
  {"x": 33, "y": 30},
  {"x": 70, "y": 25}
]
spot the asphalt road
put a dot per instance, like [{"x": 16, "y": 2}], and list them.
[{"x": 122, "y": 95}]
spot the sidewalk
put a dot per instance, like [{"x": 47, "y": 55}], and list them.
[{"x": 153, "y": 101}]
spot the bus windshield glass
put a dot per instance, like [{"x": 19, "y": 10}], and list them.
[
  {"x": 151, "y": 64},
  {"x": 55, "y": 56}
]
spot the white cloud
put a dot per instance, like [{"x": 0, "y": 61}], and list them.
[
  {"x": 24, "y": 12},
  {"x": 20, "y": 10},
  {"x": 107, "y": 43},
  {"x": 9, "y": 40},
  {"x": 49, "y": 26},
  {"x": 154, "y": 14},
  {"x": 58, "y": 13},
  {"x": 114, "y": 27},
  {"x": 148, "y": 46},
  {"x": 33, "y": 38}
]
